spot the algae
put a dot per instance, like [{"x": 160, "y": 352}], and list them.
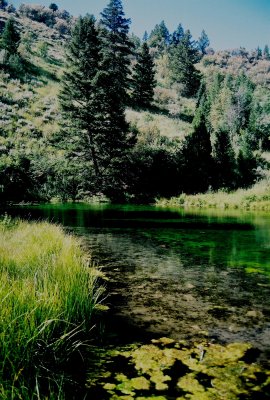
[{"x": 169, "y": 369}]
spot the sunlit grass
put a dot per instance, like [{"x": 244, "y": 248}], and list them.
[
  {"x": 48, "y": 294},
  {"x": 255, "y": 198}
]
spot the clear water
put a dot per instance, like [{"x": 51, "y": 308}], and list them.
[{"x": 186, "y": 275}]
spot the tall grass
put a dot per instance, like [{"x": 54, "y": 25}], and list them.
[
  {"x": 256, "y": 198},
  {"x": 48, "y": 294}
]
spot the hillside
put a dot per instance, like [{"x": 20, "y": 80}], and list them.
[{"x": 36, "y": 155}]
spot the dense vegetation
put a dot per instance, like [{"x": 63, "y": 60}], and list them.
[
  {"x": 48, "y": 296},
  {"x": 88, "y": 109}
]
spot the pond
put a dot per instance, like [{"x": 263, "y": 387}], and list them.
[{"x": 186, "y": 275}]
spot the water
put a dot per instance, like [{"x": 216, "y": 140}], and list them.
[{"x": 184, "y": 275}]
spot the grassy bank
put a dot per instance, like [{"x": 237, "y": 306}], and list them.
[
  {"x": 48, "y": 294},
  {"x": 256, "y": 198}
]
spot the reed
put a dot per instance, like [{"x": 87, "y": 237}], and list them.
[{"x": 48, "y": 294}]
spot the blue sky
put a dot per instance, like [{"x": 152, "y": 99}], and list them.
[{"x": 228, "y": 23}]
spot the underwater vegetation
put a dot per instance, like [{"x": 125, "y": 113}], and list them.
[{"x": 166, "y": 369}]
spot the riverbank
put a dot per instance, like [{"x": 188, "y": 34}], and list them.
[
  {"x": 48, "y": 294},
  {"x": 256, "y": 198}
]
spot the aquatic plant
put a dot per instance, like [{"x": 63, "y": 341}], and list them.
[
  {"x": 168, "y": 369},
  {"x": 48, "y": 295}
]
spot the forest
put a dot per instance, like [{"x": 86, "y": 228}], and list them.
[{"x": 89, "y": 110}]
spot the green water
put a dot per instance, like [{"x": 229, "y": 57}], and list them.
[
  {"x": 201, "y": 277},
  {"x": 175, "y": 273}
]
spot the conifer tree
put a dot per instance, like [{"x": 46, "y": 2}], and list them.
[
  {"x": 144, "y": 78},
  {"x": 93, "y": 105},
  {"x": 266, "y": 52},
  {"x": 182, "y": 60},
  {"x": 224, "y": 161},
  {"x": 177, "y": 35},
  {"x": 197, "y": 158},
  {"x": 145, "y": 36},
  {"x": 3, "y": 4},
  {"x": 117, "y": 49},
  {"x": 81, "y": 93},
  {"x": 10, "y": 38},
  {"x": 54, "y": 7},
  {"x": 115, "y": 78},
  {"x": 203, "y": 42},
  {"x": 159, "y": 37}
]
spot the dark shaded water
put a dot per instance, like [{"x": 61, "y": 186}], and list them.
[{"x": 185, "y": 275}]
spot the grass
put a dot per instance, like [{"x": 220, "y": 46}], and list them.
[
  {"x": 48, "y": 294},
  {"x": 256, "y": 198}
]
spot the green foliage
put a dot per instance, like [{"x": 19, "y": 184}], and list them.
[
  {"x": 224, "y": 162},
  {"x": 203, "y": 42},
  {"x": 197, "y": 161},
  {"x": 92, "y": 102},
  {"x": 53, "y": 7},
  {"x": 48, "y": 294},
  {"x": 81, "y": 92},
  {"x": 116, "y": 52},
  {"x": 182, "y": 60},
  {"x": 113, "y": 18},
  {"x": 3, "y": 4},
  {"x": 10, "y": 39},
  {"x": 177, "y": 35},
  {"x": 159, "y": 38},
  {"x": 143, "y": 78},
  {"x": 43, "y": 49}
]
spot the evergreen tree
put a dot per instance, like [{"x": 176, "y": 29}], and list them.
[
  {"x": 113, "y": 18},
  {"x": 144, "y": 78},
  {"x": 54, "y": 7},
  {"x": 97, "y": 134},
  {"x": 246, "y": 168},
  {"x": 266, "y": 52},
  {"x": 81, "y": 93},
  {"x": 224, "y": 161},
  {"x": 177, "y": 35},
  {"x": 203, "y": 42},
  {"x": 117, "y": 49},
  {"x": 159, "y": 37},
  {"x": 3, "y": 4},
  {"x": 197, "y": 161},
  {"x": 10, "y": 39},
  {"x": 136, "y": 41},
  {"x": 182, "y": 60},
  {"x": 145, "y": 36},
  {"x": 258, "y": 53}
]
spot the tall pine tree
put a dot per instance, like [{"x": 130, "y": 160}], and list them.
[
  {"x": 182, "y": 60},
  {"x": 82, "y": 95},
  {"x": 197, "y": 159},
  {"x": 203, "y": 42},
  {"x": 117, "y": 49},
  {"x": 177, "y": 35},
  {"x": 144, "y": 78},
  {"x": 10, "y": 39},
  {"x": 159, "y": 37}
]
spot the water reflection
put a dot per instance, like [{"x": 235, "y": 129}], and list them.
[{"x": 175, "y": 273}]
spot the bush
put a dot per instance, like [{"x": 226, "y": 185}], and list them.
[{"x": 38, "y": 13}]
